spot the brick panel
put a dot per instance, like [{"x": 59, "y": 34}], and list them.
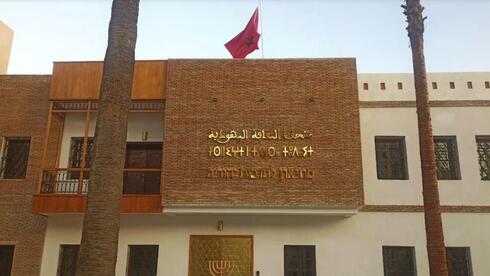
[
  {"x": 318, "y": 95},
  {"x": 23, "y": 112}
]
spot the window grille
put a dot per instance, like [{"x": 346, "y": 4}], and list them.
[
  {"x": 299, "y": 260},
  {"x": 6, "y": 259},
  {"x": 483, "y": 146},
  {"x": 447, "y": 161},
  {"x": 459, "y": 261},
  {"x": 67, "y": 263},
  {"x": 15, "y": 154},
  {"x": 399, "y": 260},
  {"x": 391, "y": 161},
  {"x": 143, "y": 260}
]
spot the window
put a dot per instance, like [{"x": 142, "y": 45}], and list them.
[
  {"x": 470, "y": 85},
  {"x": 483, "y": 147},
  {"x": 434, "y": 85},
  {"x": 487, "y": 84},
  {"x": 143, "y": 260},
  {"x": 299, "y": 260},
  {"x": 6, "y": 259},
  {"x": 67, "y": 263},
  {"x": 391, "y": 160},
  {"x": 452, "y": 85},
  {"x": 15, "y": 154},
  {"x": 382, "y": 86},
  {"x": 459, "y": 261},
  {"x": 76, "y": 152},
  {"x": 365, "y": 86},
  {"x": 446, "y": 158},
  {"x": 399, "y": 260},
  {"x": 400, "y": 86}
]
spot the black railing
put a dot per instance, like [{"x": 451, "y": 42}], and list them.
[{"x": 67, "y": 181}]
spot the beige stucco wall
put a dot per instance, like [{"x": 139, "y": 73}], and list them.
[
  {"x": 6, "y": 37},
  {"x": 443, "y": 91},
  {"x": 463, "y": 122},
  {"x": 137, "y": 123},
  {"x": 338, "y": 240}
]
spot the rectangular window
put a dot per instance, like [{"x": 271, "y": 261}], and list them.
[
  {"x": 434, "y": 85},
  {"x": 483, "y": 147},
  {"x": 391, "y": 157},
  {"x": 400, "y": 86},
  {"x": 470, "y": 85},
  {"x": 383, "y": 86},
  {"x": 15, "y": 154},
  {"x": 67, "y": 262},
  {"x": 76, "y": 152},
  {"x": 452, "y": 85},
  {"x": 143, "y": 260},
  {"x": 6, "y": 259},
  {"x": 447, "y": 161},
  {"x": 487, "y": 84},
  {"x": 299, "y": 260},
  {"x": 365, "y": 86},
  {"x": 399, "y": 260},
  {"x": 459, "y": 261}
]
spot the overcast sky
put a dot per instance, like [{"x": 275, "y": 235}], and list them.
[{"x": 457, "y": 31}]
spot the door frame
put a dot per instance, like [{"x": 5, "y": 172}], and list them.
[{"x": 251, "y": 256}]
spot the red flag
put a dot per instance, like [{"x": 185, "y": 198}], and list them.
[{"x": 247, "y": 40}]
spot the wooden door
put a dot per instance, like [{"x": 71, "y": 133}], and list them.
[{"x": 143, "y": 156}]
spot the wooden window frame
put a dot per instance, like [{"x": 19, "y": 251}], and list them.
[
  {"x": 453, "y": 156},
  {"x": 412, "y": 253},
  {"x": 13, "y": 256},
  {"x": 128, "y": 262},
  {"x": 467, "y": 255},
  {"x": 403, "y": 154},
  {"x": 313, "y": 247},
  {"x": 4, "y": 152}
]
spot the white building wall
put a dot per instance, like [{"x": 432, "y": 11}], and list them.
[
  {"x": 344, "y": 246},
  {"x": 443, "y": 92},
  {"x": 463, "y": 122},
  {"x": 137, "y": 123}
]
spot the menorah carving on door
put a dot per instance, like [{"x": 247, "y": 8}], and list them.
[{"x": 221, "y": 267}]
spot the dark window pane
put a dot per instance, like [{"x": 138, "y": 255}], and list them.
[
  {"x": 67, "y": 264},
  {"x": 483, "y": 146},
  {"x": 399, "y": 261},
  {"x": 143, "y": 260},
  {"x": 6, "y": 259},
  {"x": 446, "y": 158},
  {"x": 299, "y": 260},
  {"x": 459, "y": 261},
  {"x": 76, "y": 152},
  {"x": 14, "y": 158},
  {"x": 391, "y": 161}
]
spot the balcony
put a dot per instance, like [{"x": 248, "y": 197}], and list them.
[
  {"x": 67, "y": 157},
  {"x": 64, "y": 190}
]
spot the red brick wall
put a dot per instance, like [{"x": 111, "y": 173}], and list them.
[
  {"x": 317, "y": 95},
  {"x": 23, "y": 112}
]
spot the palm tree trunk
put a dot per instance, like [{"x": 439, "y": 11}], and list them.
[
  {"x": 98, "y": 248},
  {"x": 432, "y": 209}
]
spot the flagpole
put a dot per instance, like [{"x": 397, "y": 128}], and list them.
[{"x": 261, "y": 28}]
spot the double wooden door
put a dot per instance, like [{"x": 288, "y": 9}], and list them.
[{"x": 143, "y": 168}]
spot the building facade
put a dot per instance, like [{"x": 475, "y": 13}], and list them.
[
  {"x": 251, "y": 167},
  {"x": 6, "y": 37}
]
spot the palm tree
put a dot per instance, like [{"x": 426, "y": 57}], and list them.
[
  {"x": 98, "y": 248},
  {"x": 432, "y": 209}
]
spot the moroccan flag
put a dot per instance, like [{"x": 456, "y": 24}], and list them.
[{"x": 247, "y": 40}]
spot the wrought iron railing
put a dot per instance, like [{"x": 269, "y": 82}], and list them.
[{"x": 68, "y": 181}]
